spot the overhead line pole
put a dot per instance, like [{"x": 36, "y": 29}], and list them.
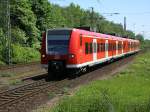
[
  {"x": 6, "y": 26},
  {"x": 125, "y": 23},
  {"x": 9, "y": 32},
  {"x": 92, "y": 19}
]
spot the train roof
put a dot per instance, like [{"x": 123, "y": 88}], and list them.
[
  {"x": 90, "y": 33},
  {"x": 105, "y": 36}
]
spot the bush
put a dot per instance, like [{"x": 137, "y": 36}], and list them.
[
  {"x": 2, "y": 63},
  {"x": 18, "y": 36},
  {"x": 1, "y": 46},
  {"x": 24, "y": 54},
  {"x": 1, "y": 56},
  {"x": 0, "y": 52}
]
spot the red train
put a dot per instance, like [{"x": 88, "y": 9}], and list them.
[{"x": 78, "y": 49}]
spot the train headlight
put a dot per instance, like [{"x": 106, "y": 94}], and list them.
[
  {"x": 43, "y": 55},
  {"x": 71, "y": 55}
]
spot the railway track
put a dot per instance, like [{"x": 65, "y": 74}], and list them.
[
  {"x": 13, "y": 96},
  {"x": 7, "y": 67},
  {"x": 19, "y": 97}
]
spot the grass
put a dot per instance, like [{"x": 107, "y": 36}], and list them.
[
  {"x": 15, "y": 82},
  {"x": 1, "y": 63},
  {"x": 6, "y": 74},
  {"x": 51, "y": 95},
  {"x": 129, "y": 91}
]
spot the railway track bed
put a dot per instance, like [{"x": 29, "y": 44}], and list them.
[
  {"x": 9, "y": 98},
  {"x": 18, "y": 66},
  {"x": 28, "y": 97},
  {"x": 13, "y": 75}
]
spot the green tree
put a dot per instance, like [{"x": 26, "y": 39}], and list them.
[
  {"x": 130, "y": 34},
  {"x": 1, "y": 37},
  {"x": 73, "y": 15},
  {"x": 48, "y": 15},
  {"x": 41, "y": 9},
  {"x": 140, "y": 37},
  {"x": 23, "y": 17},
  {"x": 18, "y": 36}
]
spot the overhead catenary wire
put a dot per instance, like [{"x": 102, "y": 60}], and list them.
[{"x": 129, "y": 13}]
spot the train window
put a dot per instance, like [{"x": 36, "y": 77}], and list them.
[
  {"x": 119, "y": 46},
  {"x": 124, "y": 45},
  {"x": 91, "y": 48},
  {"x": 98, "y": 47},
  {"x": 80, "y": 39},
  {"x": 94, "y": 45},
  {"x": 110, "y": 47},
  {"x": 86, "y": 48},
  {"x": 101, "y": 47},
  {"x": 106, "y": 46},
  {"x": 114, "y": 46}
]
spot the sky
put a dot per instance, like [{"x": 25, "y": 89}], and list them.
[{"x": 137, "y": 12}]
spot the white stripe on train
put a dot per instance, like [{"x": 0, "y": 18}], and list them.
[{"x": 91, "y": 63}]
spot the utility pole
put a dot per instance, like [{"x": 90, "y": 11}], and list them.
[
  {"x": 6, "y": 26},
  {"x": 9, "y": 32},
  {"x": 92, "y": 19},
  {"x": 125, "y": 24}
]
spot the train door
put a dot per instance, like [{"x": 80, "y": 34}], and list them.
[
  {"x": 130, "y": 47},
  {"x": 94, "y": 49},
  {"x": 122, "y": 47},
  {"x": 116, "y": 47},
  {"x": 106, "y": 49},
  {"x": 113, "y": 47}
]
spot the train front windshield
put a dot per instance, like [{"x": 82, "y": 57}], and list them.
[{"x": 58, "y": 41}]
